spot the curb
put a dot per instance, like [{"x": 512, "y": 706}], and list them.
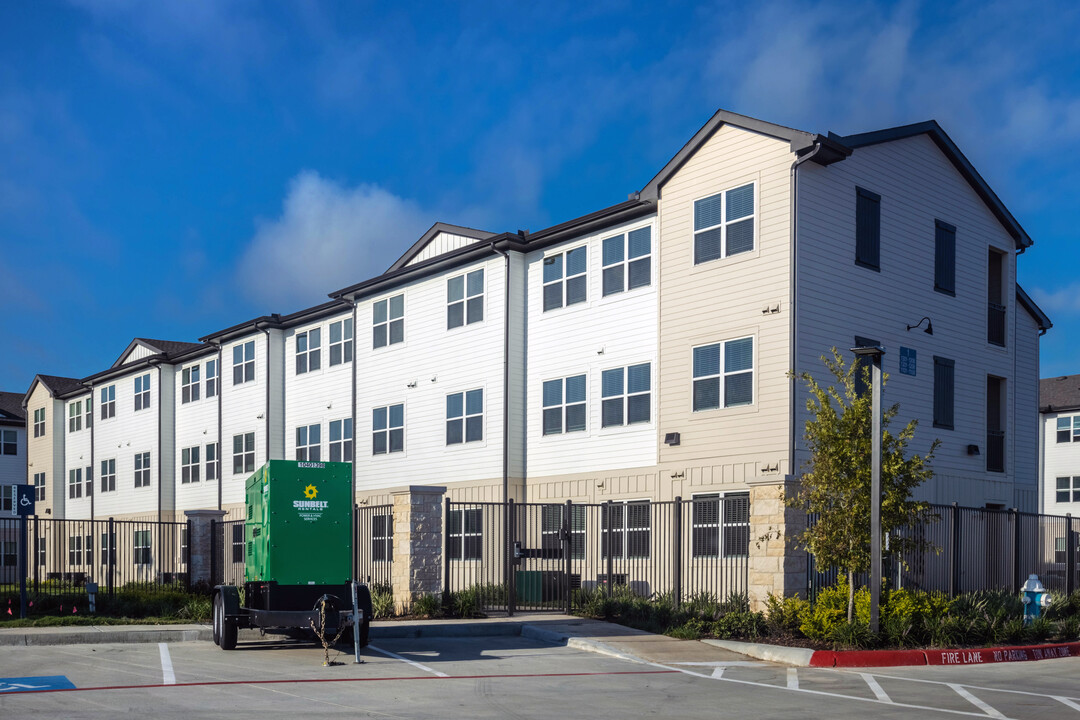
[
  {"x": 799, "y": 657},
  {"x": 532, "y": 632}
]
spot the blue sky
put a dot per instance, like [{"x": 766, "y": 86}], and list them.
[{"x": 168, "y": 169}]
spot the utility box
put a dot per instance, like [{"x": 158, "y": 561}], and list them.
[{"x": 299, "y": 523}]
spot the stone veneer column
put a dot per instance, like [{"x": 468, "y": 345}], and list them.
[
  {"x": 201, "y": 546},
  {"x": 775, "y": 565},
  {"x": 418, "y": 543}
]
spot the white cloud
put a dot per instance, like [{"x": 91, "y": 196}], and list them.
[
  {"x": 327, "y": 237},
  {"x": 1065, "y": 301}
]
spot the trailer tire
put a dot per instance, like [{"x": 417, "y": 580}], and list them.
[{"x": 225, "y": 629}]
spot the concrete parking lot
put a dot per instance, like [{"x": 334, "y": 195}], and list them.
[{"x": 504, "y": 676}]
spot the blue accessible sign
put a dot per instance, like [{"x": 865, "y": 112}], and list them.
[
  {"x": 35, "y": 684},
  {"x": 24, "y": 500}
]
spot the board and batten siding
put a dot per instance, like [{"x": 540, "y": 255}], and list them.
[
  {"x": 587, "y": 338},
  {"x": 243, "y": 409},
  {"x": 196, "y": 426},
  {"x": 443, "y": 242},
  {"x": 745, "y": 295},
  {"x": 435, "y": 362},
  {"x": 122, "y": 436},
  {"x": 838, "y": 300},
  {"x": 316, "y": 397},
  {"x": 138, "y": 353}
]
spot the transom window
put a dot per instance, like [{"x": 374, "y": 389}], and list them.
[
  {"x": 212, "y": 378},
  {"x": 213, "y": 462},
  {"x": 1068, "y": 429},
  {"x": 243, "y": 359},
  {"x": 626, "y": 529},
  {"x": 464, "y": 538},
  {"x": 341, "y": 439},
  {"x": 9, "y": 442},
  {"x": 388, "y": 429},
  {"x": 189, "y": 465},
  {"x": 1068, "y": 489},
  {"x": 724, "y": 384},
  {"x": 39, "y": 422},
  {"x": 626, "y": 395},
  {"x": 465, "y": 417},
  {"x": 142, "y": 469},
  {"x": 721, "y": 525},
  {"x": 341, "y": 341},
  {"x": 308, "y": 351},
  {"x": 142, "y": 392},
  {"x": 565, "y": 279},
  {"x": 75, "y": 416},
  {"x": 243, "y": 453},
  {"x": 627, "y": 261},
  {"x": 189, "y": 384},
  {"x": 564, "y": 405},
  {"x": 465, "y": 299},
  {"x": 108, "y": 475},
  {"x": 309, "y": 442},
  {"x": 388, "y": 322},
  {"x": 724, "y": 224},
  {"x": 108, "y": 402}
]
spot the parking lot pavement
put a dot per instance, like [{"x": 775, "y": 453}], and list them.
[{"x": 505, "y": 676}]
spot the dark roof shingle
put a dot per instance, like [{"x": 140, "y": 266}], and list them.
[
  {"x": 11, "y": 406},
  {"x": 1059, "y": 393}
]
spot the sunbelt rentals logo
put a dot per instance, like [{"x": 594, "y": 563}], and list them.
[{"x": 310, "y": 508}]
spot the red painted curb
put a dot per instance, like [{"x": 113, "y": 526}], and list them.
[{"x": 970, "y": 656}]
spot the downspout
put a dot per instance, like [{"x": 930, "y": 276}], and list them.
[
  {"x": 793, "y": 290},
  {"x": 506, "y": 377},
  {"x": 266, "y": 332},
  {"x": 352, "y": 400},
  {"x": 92, "y": 465},
  {"x": 161, "y": 481},
  {"x": 220, "y": 444}
]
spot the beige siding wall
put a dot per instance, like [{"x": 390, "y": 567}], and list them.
[
  {"x": 46, "y": 454},
  {"x": 726, "y": 299}
]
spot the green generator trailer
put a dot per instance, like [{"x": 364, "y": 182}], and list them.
[{"x": 298, "y": 555}]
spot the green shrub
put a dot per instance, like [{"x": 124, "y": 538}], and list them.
[
  {"x": 1040, "y": 629},
  {"x": 1069, "y": 629},
  {"x": 692, "y": 629},
  {"x": 382, "y": 602},
  {"x": 740, "y": 624},
  {"x": 829, "y": 610},
  {"x": 427, "y": 605},
  {"x": 854, "y": 634},
  {"x": 945, "y": 631},
  {"x": 1013, "y": 631},
  {"x": 784, "y": 614}
]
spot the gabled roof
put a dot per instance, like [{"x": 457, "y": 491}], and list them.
[
  {"x": 55, "y": 384},
  {"x": 165, "y": 348},
  {"x": 952, "y": 152},
  {"x": 427, "y": 237},
  {"x": 801, "y": 143},
  {"x": 1059, "y": 394},
  {"x": 1034, "y": 310},
  {"x": 11, "y": 408}
]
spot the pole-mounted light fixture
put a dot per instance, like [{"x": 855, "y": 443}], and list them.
[
  {"x": 874, "y": 353},
  {"x": 929, "y": 326}
]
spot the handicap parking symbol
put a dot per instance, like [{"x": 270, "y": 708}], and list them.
[{"x": 35, "y": 684}]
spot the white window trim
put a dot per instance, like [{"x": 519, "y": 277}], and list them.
[
  {"x": 309, "y": 446},
  {"x": 212, "y": 463},
  {"x": 625, "y": 262},
  {"x": 212, "y": 383},
  {"x": 193, "y": 384},
  {"x": 463, "y": 534},
  {"x": 628, "y": 426},
  {"x": 39, "y": 425},
  {"x": 404, "y": 329},
  {"x": 755, "y": 217},
  {"x": 108, "y": 477},
  {"x": 345, "y": 342},
  {"x": 464, "y": 301},
  {"x": 244, "y": 362},
  {"x": 482, "y": 442},
  {"x": 564, "y": 251},
  {"x": 404, "y": 425},
  {"x": 308, "y": 354},
  {"x": 244, "y": 452},
  {"x": 144, "y": 469},
  {"x": 562, "y": 406},
  {"x": 191, "y": 465},
  {"x": 723, "y": 349},
  {"x": 107, "y": 404},
  {"x": 344, "y": 442},
  {"x": 142, "y": 395}
]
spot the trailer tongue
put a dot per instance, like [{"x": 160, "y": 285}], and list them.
[{"x": 298, "y": 553}]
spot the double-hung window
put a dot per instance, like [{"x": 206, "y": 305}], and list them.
[
  {"x": 721, "y": 525},
  {"x": 308, "y": 351},
  {"x": 309, "y": 443},
  {"x": 39, "y": 422},
  {"x": 142, "y": 392},
  {"x": 39, "y": 487},
  {"x": 565, "y": 278},
  {"x": 1068, "y": 489},
  {"x": 89, "y": 411},
  {"x": 388, "y": 322},
  {"x": 341, "y": 439},
  {"x": 213, "y": 462},
  {"x": 464, "y": 537},
  {"x": 724, "y": 224},
  {"x": 9, "y": 553},
  {"x": 465, "y": 299},
  {"x": 108, "y": 402},
  {"x": 464, "y": 417},
  {"x": 75, "y": 416},
  {"x": 189, "y": 465},
  {"x": 627, "y": 261},
  {"x": 7, "y": 498},
  {"x": 944, "y": 389},
  {"x": 1068, "y": 429},
  {"x": 9, "y": 442},
  {"x": 564, "y": 405},
  {"x": 243, "y": 453},
  {"x": 724, "y": 374},
  {"x": 189, "y": 384},
  {"x": 388, "y": 429},
  {"x": 944, "y": 257},
  {"x": 142, "y": 547},
  {"x": 108, "y": 475},
  {"x": 626, "y": 395},
  {"x": 238, "y": 542},
  {"x": 626, "y": 529},
  {"x": 243, "y": 359},
  {"x": 382, "y": 538},
  {"x": 212, "y": 378},
  {"x": 75, "y": 483},
  {"x": 142, "y": 469},
  {"x": 75, "y": 550},
  {"x": 341, "y": 342},
  {"x": 867, "y": 229},
  {"x": 88, "y": 480}
]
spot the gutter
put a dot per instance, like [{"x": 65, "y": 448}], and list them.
[{"x": 266, "y": 411}]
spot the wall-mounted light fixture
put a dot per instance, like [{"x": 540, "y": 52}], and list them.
[
  {"x": 599, "y": 484},
  {"x": 260, "y": 416},
  {"x": 973, "y": 449},
  {"x": 411, "y": 385},
  {"x": 672, "y": 438},
  {"x": 929, "y": 326}
]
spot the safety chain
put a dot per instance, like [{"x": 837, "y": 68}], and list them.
[{"x": 319, "y": 632}]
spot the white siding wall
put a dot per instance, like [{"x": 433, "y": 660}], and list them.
[
  {"x": 122, "y": 436},
  {"x": 590, "y": 337},
  {"x": 76, "y": 455},
  {"x": 164, "y": 461},
  {"x": 1059, "y": 460},
  {"x": 276, "y": 448},
  {"x": 518, "y": 387},
  {"x": 241, "y": 406},
  {"x": 317, "y": 397},
  {"x": 838, "y": 300},
  {"x": 196, "y": 426},
  {"x": 13, "y": 467},
  {"x": 441, "y": 243},
  {"x": 439, "y": 362}
]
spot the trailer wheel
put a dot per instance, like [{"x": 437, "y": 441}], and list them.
[
  {"x": 217, "y": 618},
  {"x": 224, "y": 628}
]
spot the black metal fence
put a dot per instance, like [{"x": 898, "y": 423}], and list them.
[
  {"x": 972, "y": 549},
  {"x": 529, "y": 556},
  {"x": 373, "y": 551},
  {"x": 65, "y": 555},
  {"x": 228, "y": 548}
]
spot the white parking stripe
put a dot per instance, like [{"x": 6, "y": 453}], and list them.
[
  {"x": 878, "y": 692},
  {"x": 1067, "y": 702},
  {"x": 718, "y": 673},
  {"x": 415, "y": 664},
  {"x": 167, "y": 675},
  {"x": 967, "y": 685},
  {"x": 959, "y": 689},
  {"x": 792, "y": 679}
]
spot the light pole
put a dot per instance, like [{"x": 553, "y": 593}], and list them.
[{"x": 874, "y": 353}]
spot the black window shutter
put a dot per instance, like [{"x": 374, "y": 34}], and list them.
[
  {"x": 944, "y": 386},
  {"x": 944, "y": 257},
  {"x": 867, "y": 228}
]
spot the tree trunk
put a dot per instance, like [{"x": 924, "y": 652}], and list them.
[{"x": 850, "y": 596}]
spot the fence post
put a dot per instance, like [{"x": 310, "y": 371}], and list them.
[
  {"x": 510, "y": 528},
  {"x": 610, "y": 554},
  {"x": 1070, "y": 556},
  {"x": 446, "y": 549},
  {"x": 954, "y": 550},
  {"x": 677, "y": 573},
  {"x": 112, "y": 554},
  {"x": 566, "y": 555},
  {"x": 37, "y": 551},
  {"x": 1016, "y": 548},
  {"x": 214, "y": 526}
]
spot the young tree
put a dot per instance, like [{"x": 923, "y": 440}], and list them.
[{"x": 836, "y": 483}]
